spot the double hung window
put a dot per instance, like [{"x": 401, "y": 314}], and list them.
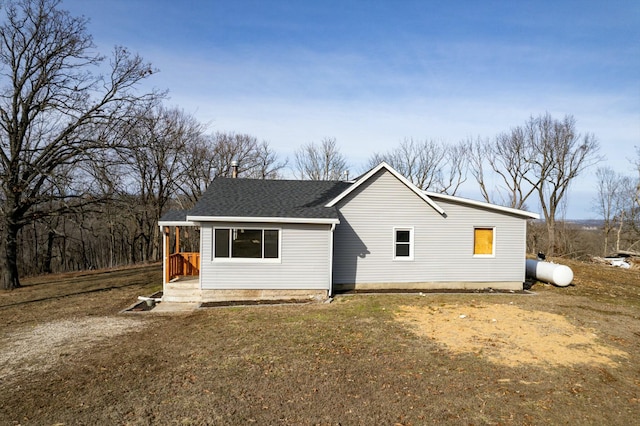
[{"x": 403, "y": 243}]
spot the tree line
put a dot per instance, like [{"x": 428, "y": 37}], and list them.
[
  {"x": 617, "y": 202},
  {"x": 89, "y": 163}
]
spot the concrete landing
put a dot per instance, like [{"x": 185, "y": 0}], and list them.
[{"x": 174, "y": 307}]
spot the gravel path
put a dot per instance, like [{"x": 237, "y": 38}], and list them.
[{"x": 39, "y": 348}]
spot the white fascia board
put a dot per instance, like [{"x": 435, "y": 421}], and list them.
[
  {"x": 263, "y": 219},
  {"x": 176, "y": 223},
  {"x": 398, "y": 176},
  {"x": 483, "y": 204}
]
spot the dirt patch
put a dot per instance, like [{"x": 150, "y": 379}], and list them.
[
  {"x": 509, "y": 335},
  {"x": 39, "y": 348}
]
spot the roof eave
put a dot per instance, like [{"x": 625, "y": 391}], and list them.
[
  {"x": 176, "y": 223},
  {"x": 496, "y": 207},
  {"x": 247, "y": 219}
]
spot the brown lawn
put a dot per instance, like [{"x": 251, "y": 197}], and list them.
[{"x": 562, "y": 356}]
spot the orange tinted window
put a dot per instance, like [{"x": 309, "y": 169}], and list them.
[{"x": 483, "y": 241}]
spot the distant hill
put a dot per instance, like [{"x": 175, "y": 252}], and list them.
[
  {"x": 583, "y": 223},
  {"x": 588, "y": 223}
]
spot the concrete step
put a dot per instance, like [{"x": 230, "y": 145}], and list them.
[
  {"x": 181, "y": 298},
  {"x": 182, "y": 285},
  {"x": 175, "y": 307},
  {"x": 181, "y": 291}
]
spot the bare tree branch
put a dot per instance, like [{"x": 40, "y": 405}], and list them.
[
  {"x": 320, "y": 162},
  {"x": 428, "y": 164},
  {"x": 53, "y": 108}
]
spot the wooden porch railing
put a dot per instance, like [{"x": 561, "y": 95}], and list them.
[{"x": 184, "y": 264}]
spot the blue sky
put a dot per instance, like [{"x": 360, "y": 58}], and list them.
[{"x": 371, "y": 73}]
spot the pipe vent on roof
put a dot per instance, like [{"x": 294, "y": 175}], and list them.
[{"x": 234, "y": 169}]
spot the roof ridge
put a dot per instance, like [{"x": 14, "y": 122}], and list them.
[{"x": 268, "y": 198}]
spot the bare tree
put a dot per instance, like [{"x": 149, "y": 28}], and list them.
[
  {"x": 608, "y": 203},
  {"x": 421, "y": 162},
  {"x": 320, "y": 162},
  {"x": 428, "y": 164},
  {"x": 507, "y": 157},
  {"x": 478, "y": 152},
  {"x": 637, "y": 164},
  {"x": 229, "y": 147},
  {"x": 458, "y": 161},
  {"x": 627, "y": 216},
  {"x": 558, "y": 155},
  {"x": 629, "y": 194},
  {"x": 267, "y": 164},
  {"x": 208, "y": 157},
  {"x": 542, "y": 157},
  {"x": 199, "y": 163},
  {"x": 156, "y": 145},
  {"x": 54, "y": 112}
]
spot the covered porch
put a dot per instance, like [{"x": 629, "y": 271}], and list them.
[
  {"x": 181, "y": 250},
  {"x": 180, "y": 264}
]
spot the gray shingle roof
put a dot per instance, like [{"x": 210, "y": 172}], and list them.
[
  {"x": 174, "y": 216},
  {"x": 269, "y": 198}
]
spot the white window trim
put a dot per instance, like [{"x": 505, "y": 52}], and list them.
[
  {"x": 411, "y": 243},
  {"x": 493, "y": 246},
  {"x": 231, "y": 259}
]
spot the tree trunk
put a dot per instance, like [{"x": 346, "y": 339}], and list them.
[
  {"x": 156, "y": 238},
  {"x": 619, "y": 231},
  {"x": 551, "y": 236},
  {"x": 48, "y": 257},
  {"x": 9, "y": 278}
]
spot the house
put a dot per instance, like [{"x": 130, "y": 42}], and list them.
[{"x": 277, "y": 239}]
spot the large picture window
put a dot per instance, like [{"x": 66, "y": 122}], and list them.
[
  {"x": 403, "y": 243},
  {"x": 483, "y": 241},
  {"x": 240, "y": 243}
]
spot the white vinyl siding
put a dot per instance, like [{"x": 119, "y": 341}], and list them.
[
  {"x": 304, "y": 261},
  {"x": 442, "y": 245}
]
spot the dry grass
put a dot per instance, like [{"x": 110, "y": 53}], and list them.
[{"x": 385, "y": 359}]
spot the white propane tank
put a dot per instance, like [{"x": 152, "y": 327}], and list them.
[{"x": 560, "y": 275}]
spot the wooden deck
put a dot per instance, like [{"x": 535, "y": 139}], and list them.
[{"x": 183, "y": 265}]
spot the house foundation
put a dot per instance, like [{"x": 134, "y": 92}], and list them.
[
  {"x": 189, "y": 292},
  {"x": 439, "y": 285}
]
